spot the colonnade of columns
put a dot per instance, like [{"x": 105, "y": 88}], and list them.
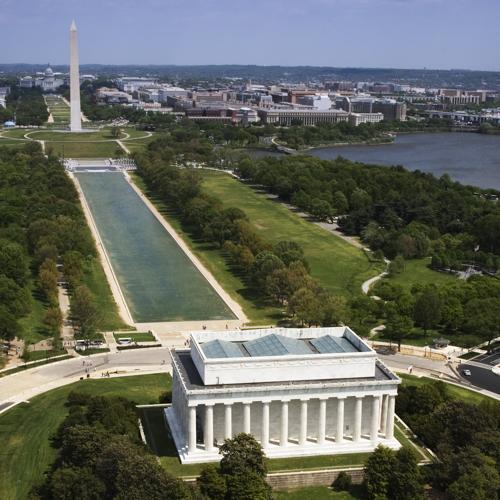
[{"x": 382, "y": 421}]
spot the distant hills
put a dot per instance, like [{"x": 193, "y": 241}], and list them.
[{"x": 416, "y": 77}]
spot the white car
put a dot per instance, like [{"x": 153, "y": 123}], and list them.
[{"x": 467, "y": 373}]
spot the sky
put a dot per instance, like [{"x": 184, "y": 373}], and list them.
[{"x": 433, "y": 34}]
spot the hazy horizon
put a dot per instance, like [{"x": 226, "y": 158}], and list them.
[{"x": 388, "y": 34}]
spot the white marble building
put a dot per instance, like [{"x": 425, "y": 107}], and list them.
[{"x": 299, "y": 392}]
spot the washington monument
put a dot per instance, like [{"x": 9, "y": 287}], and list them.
[{"x": 74, "y": 78}]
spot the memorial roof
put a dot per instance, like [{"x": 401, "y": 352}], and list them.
[
  {"x": 277, "y": 345},
  {"x": 182, "y": 359}
]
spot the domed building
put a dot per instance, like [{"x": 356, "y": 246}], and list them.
[{"x": 48, "y": 80}]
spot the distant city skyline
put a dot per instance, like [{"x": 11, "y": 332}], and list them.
[{"x": 432, "y": 34}]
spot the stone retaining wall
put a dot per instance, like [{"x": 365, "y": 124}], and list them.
[{"x": 325, "y": 477}]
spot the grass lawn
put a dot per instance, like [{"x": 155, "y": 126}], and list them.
[
  {"x": 17, "y": 133},
  {"x": 11, "y": 143},
  {"x": 101, "y": 135},
  {"x": 214, "y": 261},
  {"x": 26, "y": 429},
  {"x": 85, "y": 149},
  {"x": 319, "y": 493},
  {"x": 136, "y": 336},
  {"x": 454, "y": 391},
  {"x": 44, "y": 354},
  {"x": 417, "y": 272},
  {"x": 336, "y": 264},
  {"x": 32, "y": 325},
  {"x": 96, "y": 281}
]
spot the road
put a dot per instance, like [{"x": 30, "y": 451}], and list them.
[
  {"x": 24, "y": 385},
  {"x": 481, "y": 377}
]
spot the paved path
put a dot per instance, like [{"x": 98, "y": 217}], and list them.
[{"x": 26, "y": 384}]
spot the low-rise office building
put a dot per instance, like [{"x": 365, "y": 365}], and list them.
[
  {"x": 287, "y": 117},
  {"x": 299, "y": 392},
  {"x": 359, "y": 118}
]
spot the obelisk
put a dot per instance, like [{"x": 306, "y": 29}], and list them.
[{"x": 74, "y": 81}]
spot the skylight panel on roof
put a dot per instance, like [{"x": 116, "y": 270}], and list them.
[
  {"x": 276, "y": 345},
  {"x": 221, "y": 349},
  {"x": 330, "y": 344}
]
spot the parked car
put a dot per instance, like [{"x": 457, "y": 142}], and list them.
[{"x": 467, "y": 373}]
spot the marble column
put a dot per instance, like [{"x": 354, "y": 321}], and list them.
[
  {"x": 246, "y": 418},
  {"x": 192, "y": 429},
  {"x": 358, "y": 418},
  {"x": 322, "y": 421},
  {"x": 228, "y": 421},
  {"x": 375, "y": 418},
  {"x": 389, "y": 426},
  {"x": 339, "y": 435},
  {"x": 284, "y": 424},
  {"x": 303, "y": 422},
  {"x": 265, "y": 425},
  {"x": 384, "y": 414},
  {"x": 209, "y": 428}
]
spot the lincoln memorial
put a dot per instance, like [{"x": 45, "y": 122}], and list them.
[{"x": 299, "y": 392}]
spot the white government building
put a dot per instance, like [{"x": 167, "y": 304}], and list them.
[{"x": 299, "y": 392}]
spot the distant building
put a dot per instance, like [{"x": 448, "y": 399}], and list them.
[
  {"x": 319, "y": 102},
  {"x": 132, "y": 84},
  {"x": 359, "y": 118},
  {"x": 113, "y": 96},
  {"x": 458, "y": 97},
  {"x": 4, "y": 92},
  {"x": 287, "y": 117},
  {"x": 391, "y": 109},
  {"x": 48, "y": 81}
]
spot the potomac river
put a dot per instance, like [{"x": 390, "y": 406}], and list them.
[{"x": 467, "y": 157}]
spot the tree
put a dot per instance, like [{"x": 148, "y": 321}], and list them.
[
  {"x": 13, "y": 261},
  {"x": 397, "y": 266},
  {"x": 211, "y": 483},
  {"x": 342, "y": 482},
  {"x": 398, "y": 325},
  {"x": 73, "y": 267},
  {"x": 406, "y": 483},
  {"x": 340, "y": 202},
  {"x": 427, "y": 310},
  {"x": 378, "y": 472},
  {"x": 482, "y": 318},
  {"x": 241, "y": 454},
  {"x": 9, "y": 327},
  {"x": 84, "y": 312},
  {"x": 265, "y": 263},
  {"x": 306, "y": 306},
  {"x": 47, "y": 280},
  {"x": 70, "y": 483},
  {"x": 53, "y": 320},
  {"x": 248, "y": 485}
]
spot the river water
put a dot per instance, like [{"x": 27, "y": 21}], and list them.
[
  {"x": 158, "y": 280},
  {"x": 467, "y": 157}
]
